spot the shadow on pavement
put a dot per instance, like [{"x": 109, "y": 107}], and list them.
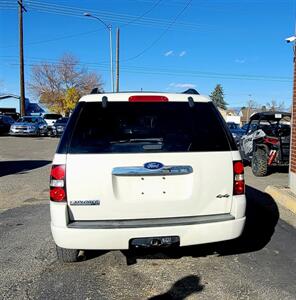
[
  {"x": 262, "y": 216},
  {"x": 279, "y": 169},
  {"x": 20, "y": 166},
  {"x": 181, "y": 289}
]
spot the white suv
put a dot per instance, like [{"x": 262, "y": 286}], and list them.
[{"x": 145, "y": 170}]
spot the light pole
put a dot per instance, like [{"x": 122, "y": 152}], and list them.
[
  {"x": 22, "y": 76},
  {"x": 109, "y": 28}
]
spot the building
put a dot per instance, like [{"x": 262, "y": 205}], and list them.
[
  {"x": 12, "y": 102},
  {"x": 246, "y": 113},
  {"x": 230, "y": 115}
]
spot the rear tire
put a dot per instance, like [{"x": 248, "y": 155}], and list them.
[
  {"x": 67, "y": 255},
  {"x": 259, "y": 163}
]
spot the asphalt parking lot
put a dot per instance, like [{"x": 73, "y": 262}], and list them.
[{"x": 259, "y": 265}]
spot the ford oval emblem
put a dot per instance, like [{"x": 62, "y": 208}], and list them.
[{"x": 153, "y": 165}]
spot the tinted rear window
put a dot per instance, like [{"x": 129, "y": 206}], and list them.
[{"x": 124, "y": 127}]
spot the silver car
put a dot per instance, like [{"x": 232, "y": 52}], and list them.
[{"x": 29, "y": 126}]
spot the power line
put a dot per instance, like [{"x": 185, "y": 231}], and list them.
[
  {"x": 162, "y": 34},
  {"x": 55, "y": 39},
  {"x": 144, "y": 14},
  {"x": 33, "y": 61},
  {"x": 76, "y": 12},
  {"x": 110, "y": 16}
]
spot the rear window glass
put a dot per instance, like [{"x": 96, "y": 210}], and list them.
[{"x": 124, "y": 127}]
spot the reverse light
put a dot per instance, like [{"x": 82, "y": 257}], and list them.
[
  {"x": 238, "y": 178},
  {"x": 148, "y": 98},
  {"x": 58, "y": 183}
]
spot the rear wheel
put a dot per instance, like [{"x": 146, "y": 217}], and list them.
[
  {"x": 259, "y": 163},
  {"x": 67, "y": 255}
]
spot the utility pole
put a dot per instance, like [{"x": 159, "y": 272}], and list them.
[
  {"x": 22, "y": 76},
  {"x": 117, "y": 60}
]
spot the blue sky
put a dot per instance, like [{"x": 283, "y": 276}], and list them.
[{"x": 237, "y": 43}]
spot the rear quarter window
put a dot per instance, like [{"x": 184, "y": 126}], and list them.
[{"x": 124, "y": 127}]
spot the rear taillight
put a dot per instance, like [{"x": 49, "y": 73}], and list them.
[
  {"x": 148, "y": 98},
  {"x": 58, "y": 183},
  {"x": 238, "y": 178}
]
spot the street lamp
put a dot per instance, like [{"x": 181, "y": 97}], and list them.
[{"x": 109, "y": 28}]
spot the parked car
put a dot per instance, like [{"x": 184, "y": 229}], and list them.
[
  {"x": 5, "y": 123},
  {"x": 245, "y": 127},
  {"x": 145, "y": 170},
  {"x": 50, "y": 119},
  {"x": 59, "y": 126},
  {"x": 267, "y": 141},
  {"x": 29, "y": 125},
  {"x": 236, "y": 131}
]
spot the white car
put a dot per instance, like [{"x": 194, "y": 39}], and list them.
[{"x": 145, "y": 170}]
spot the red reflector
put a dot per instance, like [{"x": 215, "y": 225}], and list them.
[
  {"x": 148, "y": 98},
  {"x": 58, "y": 172},
  {"x": 239, "y": 187},
  {"x": 238, "y": 167},
  {"x": 57, "y": 194}
]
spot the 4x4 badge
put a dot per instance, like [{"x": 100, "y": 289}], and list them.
[{"x": 222, "y": 196}]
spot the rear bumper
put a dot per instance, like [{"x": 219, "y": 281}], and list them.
[{"x": 84, "y": 238}]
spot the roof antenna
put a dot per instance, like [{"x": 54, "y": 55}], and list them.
[{"x": 104, "y": 101}]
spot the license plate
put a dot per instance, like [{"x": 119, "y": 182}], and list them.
[{"x": 155, "y": 242}]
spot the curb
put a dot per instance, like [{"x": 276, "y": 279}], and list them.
[{"x": 282, "y": 195}]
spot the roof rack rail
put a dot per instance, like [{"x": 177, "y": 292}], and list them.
[
  {"x": 104, "y": 101},
  {"x": 191, "y": 102},
  {"x": 191, "y": 91}
]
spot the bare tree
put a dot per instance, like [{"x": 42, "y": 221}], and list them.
[
  {"x": 251, "y": 105},
  {"x": 55, "y": 84},
  {"x": 274, "y": 105}
]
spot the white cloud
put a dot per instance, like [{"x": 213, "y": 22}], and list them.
[
  {"x": 168, "y": 53},
  {"x": 240, "y": 60},
  {"x": 182, "y": 85},
  {"x": 182, "y": 53}
]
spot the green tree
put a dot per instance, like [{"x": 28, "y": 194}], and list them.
[{"x": 217, "y": 97}]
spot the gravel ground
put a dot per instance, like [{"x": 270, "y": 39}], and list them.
[{"x": 259, "y": 265}]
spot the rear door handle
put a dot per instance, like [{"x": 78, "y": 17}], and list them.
[{"x": 141, "y": 171}]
